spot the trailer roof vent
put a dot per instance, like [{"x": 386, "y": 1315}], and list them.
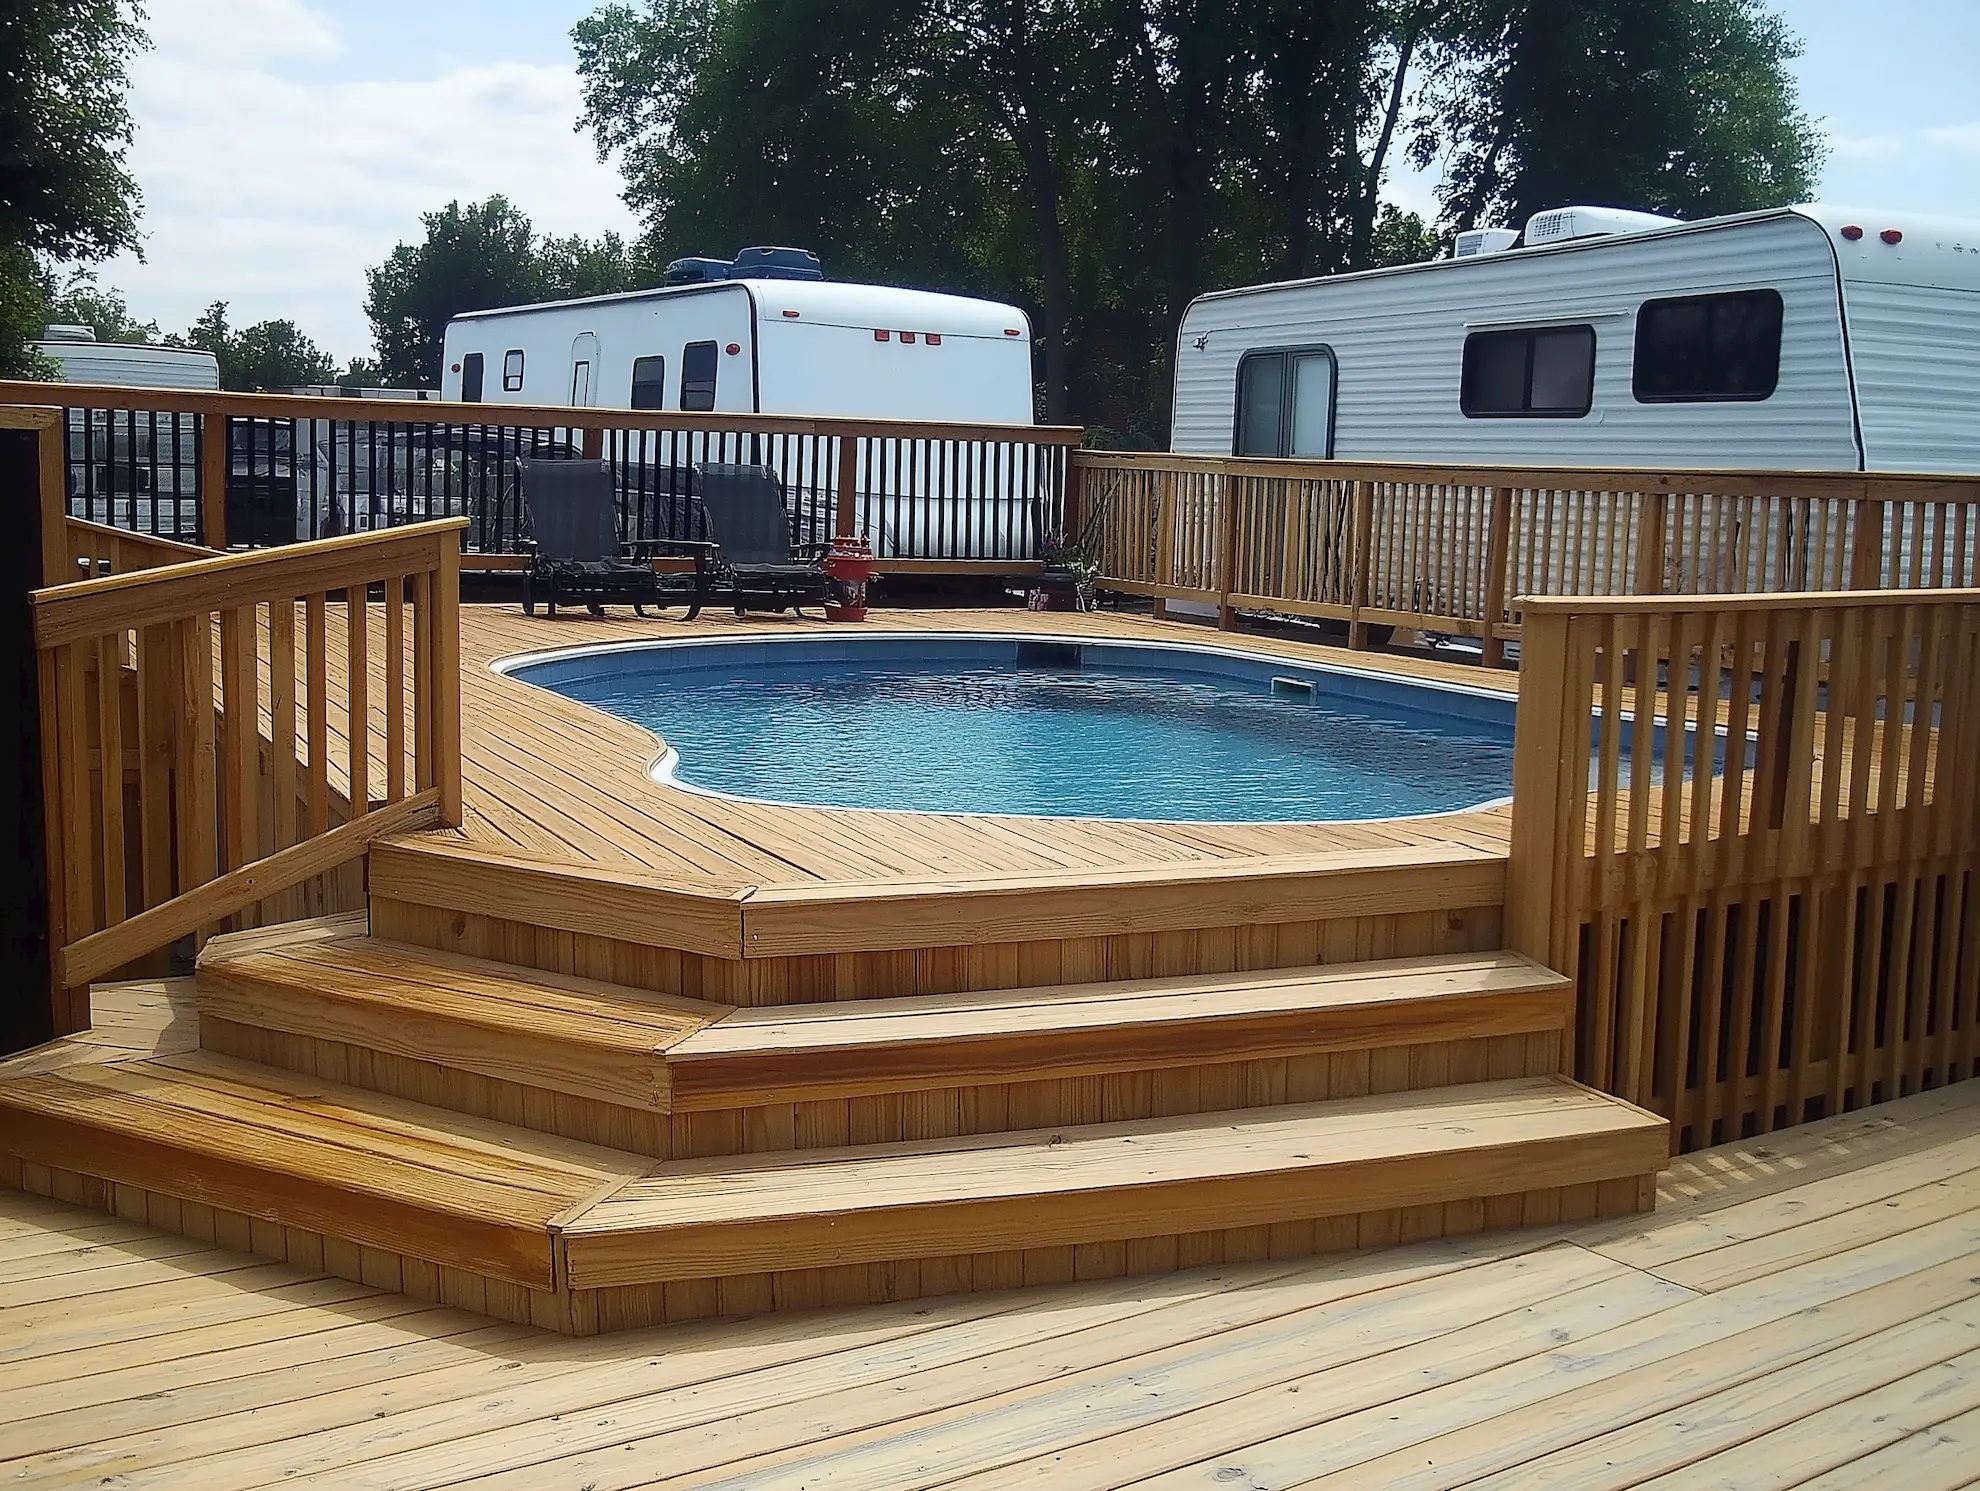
[
  {"x": 1476, "y": 241},
  {"x": 1564, "y": 224},
  {"x": 776, "y": 264},
  {"x": 63, "y": 333},
  {"x": 696, "y": 271}
]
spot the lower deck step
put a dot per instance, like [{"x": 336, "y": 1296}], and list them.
[
  {"x": 293, "y": 1152},
  {"x": 708, "y": 1219}
]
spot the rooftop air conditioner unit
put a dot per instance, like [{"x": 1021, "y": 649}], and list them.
[
  {"x": 1476, "y": 241},
  {"x": 1565, "y": 224},
  {"x": 63, "y": 333}
]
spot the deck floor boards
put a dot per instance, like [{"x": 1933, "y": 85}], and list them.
[{"x": 1802, "y": 1310}]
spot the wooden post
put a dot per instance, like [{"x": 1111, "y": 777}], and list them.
[
  {"x": 1648, "y": 578},
  {"x": 1075, "y": 517},
  {"x": 446, "y": 703},
  {"x": 1539, "y": 811},
  {"x": 591, "y": 444},
  {"x": 1361, "y": 553},
  {"x": 846, "y": 523},
  {"x": 1498, "y": 580},
  {"x": 214, "y": 467},
  {"x": 1227, "y": 553},
  {"x": 1866, "y": 546}
]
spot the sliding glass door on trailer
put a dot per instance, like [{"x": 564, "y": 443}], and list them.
[{"x": 1285, "y": 404}]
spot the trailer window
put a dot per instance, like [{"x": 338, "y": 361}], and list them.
[
  {"x": 1541, "y": 372},
  {"x": 1285, "y": 404},
  {"x": 698, "y": 375},
  {"x": 1708, "y": 349},
  {"x": 512, "y": 369},
  {"x": 471, "y": 378},
  {"x": 649, "y": 383}
]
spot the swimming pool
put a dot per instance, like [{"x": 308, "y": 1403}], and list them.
[{"x": 1045, "y": 727}]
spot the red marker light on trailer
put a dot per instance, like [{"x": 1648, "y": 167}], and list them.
[
  {"x": 907, "y": 339},
  {"x": 1891, "y": 236},
  {"x": 790, "y": 315},
  {"x": 934, "y": 339},
  {"x": 1012, "y": 331},
  {"x": 883, "y": 336},
  {"x": 733, "y": 348},
  {"x": 1852, "y": 232}
]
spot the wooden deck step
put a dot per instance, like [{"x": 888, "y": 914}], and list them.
[
  {"x": 794, "y": 1053},
  {"x": 761, "y": 1214},
  {"x": 326, "y": 981},
  {"x": 293, "y": 1152}
]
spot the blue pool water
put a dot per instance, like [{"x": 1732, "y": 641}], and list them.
[{"x": 995, "y": 725}]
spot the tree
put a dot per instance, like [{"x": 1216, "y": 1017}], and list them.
[
  {"x": 473, "y": 258},
  {"x": 1103, "y": 162},
  {"x": 361, "y": 372},
  {"x": 82, "y": 302},
  {"x": 1678, "y": 106},
  {"x": 64, "y": 130},
  {"x": 268, "y": 354}
]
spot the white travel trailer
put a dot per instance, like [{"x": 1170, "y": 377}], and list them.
[
  {"x": 752, "y": 346},
  {"x": 83, "y": 359},
  {"x": 1803, "y": 338},
  {"x": 779, "y": 345}
]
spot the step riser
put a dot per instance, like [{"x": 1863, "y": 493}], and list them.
[
  {"x": 875, "y": 1235},
  {"x": 313, "y": 1252},
  {"x": 636, "y": 1130},
  {"x": 744, "y": 1078},
  {"x": 632, "y": 1306},
  {"x": 1011, "y": 1107},
  {"x": 761, "y": 982},
  {"x": 937, "y": 1110}
]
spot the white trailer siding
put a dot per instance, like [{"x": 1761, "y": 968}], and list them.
[
  {"x": 1398, "y": 342},
  {"x": 133, "y": 365},
  {"x": 1916, "y": 354}
]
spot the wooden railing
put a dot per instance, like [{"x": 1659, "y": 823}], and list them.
[
  {"x": 1450, "y": 549},
  {"x": 95, "y": 550},
  {"x": 1750, "y": 827},
  {"x": 232, "y": 470},
  {"x": 219, "y": 731}
]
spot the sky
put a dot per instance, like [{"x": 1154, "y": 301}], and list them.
[{"x": 284, "y": 146}]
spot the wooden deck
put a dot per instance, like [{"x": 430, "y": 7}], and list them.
[
  {"x": 1801, "y": 1311},
  {"x": 550, "y": 779}
]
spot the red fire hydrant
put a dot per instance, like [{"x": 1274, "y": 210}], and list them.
[{"x": 849, "y": 564}]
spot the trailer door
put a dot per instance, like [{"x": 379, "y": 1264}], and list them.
[{"x": 1285, "y": 403}]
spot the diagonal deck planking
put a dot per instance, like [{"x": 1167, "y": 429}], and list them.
[
  {"x": 550, "y": 779},
  {"x": 1802, "y": 1311}
]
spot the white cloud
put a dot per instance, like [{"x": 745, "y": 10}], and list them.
[
  {"x": 1961, "y": 137},
  {"x": 1868, "y": 147},
  {"x": 276, "y": 166}
]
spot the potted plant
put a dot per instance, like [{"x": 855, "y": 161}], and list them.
[{"x": 1068, "y": 579}]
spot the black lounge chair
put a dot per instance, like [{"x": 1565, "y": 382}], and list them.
[
  {"x": 750, "y": 556},
  {"x": 573, "y": 544}
]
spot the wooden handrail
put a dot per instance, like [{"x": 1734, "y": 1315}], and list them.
[
  {"x": 526, "y": 416},
  {"x": 214, "y": 737},
  {"x": 1468, "y": 550},
  {"x": 1875, "y": 486},
  {"x": 1792, "y": 600},
  {"x": 62, "y": 613}
]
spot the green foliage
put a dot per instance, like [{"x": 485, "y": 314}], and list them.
[
  {"x": 361, "y": 372},
  {"x": 1102, "y": 162},
  {"x": 82, "y": 302},
  {"x": 268, "y": 354},
  {"x": 1678, "y": 106},
  {"x": 64, "y": 131},
  {"x": 475, "y": 258}
]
